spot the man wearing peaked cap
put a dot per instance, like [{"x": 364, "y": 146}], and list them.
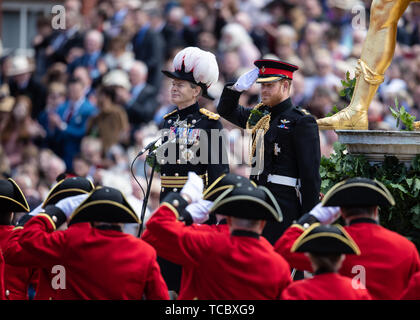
[
  {"x": 196, "y": 132},
  {"x": 388, "y": 259},
  {"x": 100, "y": 260},
  {"x": 325, "y": 246},
  {"x": 15, "y": 280},
  {"x": 285, "y": 152},
  {"x": 223, "y": 265}
]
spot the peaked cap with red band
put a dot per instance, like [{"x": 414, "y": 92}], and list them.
[{"x": 274, "y": 70}]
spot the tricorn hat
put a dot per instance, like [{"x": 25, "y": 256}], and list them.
[
  {"x": 244, "y": 200},
  {"x": 104, "y": 204},
  {"x": 325, "y": 239},
  {"x": 196, "y": 66},
  {"x": 224, "y": 182},
  {"x": 68, "y": 187},
  {"x": 12, "y": 198},
  {"x": 358, "y": 192},
  {"x": 274, "y": 70}
]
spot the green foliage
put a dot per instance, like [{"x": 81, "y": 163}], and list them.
[
  {"x": 403, "y": 182},
  {"x": 256, "y": 115},
  {"x": 346, "y": 92},
  {"x": 402, "y": 115},
  {"x": 151, "y": 159}
]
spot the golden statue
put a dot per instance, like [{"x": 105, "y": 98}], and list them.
[{"x": 377, "y": 53}]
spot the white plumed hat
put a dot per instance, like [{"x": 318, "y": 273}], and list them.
[{"x": 197, "y": 66}]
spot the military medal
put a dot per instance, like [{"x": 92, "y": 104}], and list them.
[
  {"x": 284, "y": 122},
  {"x": 277, "y": 149}
]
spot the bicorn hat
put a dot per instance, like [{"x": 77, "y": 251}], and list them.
[
  {"x": 67, "y": 188},
  {"x": 247, "y": 201},
  {"x": 224, "y": 182},
  {"x": 274, "y": 70},
  {"x": 12, "y": 198},
  {"x": 104, "y": 204},
  {"x": 196, "y": 66},
  {"x": 325, "y": 240},
  {"x": 358, "y": 192}
]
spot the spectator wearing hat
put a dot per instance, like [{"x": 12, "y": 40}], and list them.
[
  {"x": 388, "y": 259},
  {"x": 23, "y": 82},
  {"x": 6, "y": 105},
  {"x": 101, "y": 262},
  {"x": 69, "y": 122},
  {"x": 326, "y": 247},
  {"x": 289, "y": 166},
  {"x": 15, "y": 279},
  {"x": 223, "y": 265}
]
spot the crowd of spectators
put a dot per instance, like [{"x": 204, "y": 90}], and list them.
[{"x": 93, "y": 95}]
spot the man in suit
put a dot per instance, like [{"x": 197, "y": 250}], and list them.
[
  {"x": 67, "y": 125},
  {"x": 148, "y": 47},
  {"x": 285, "y": 140},
  {"x": 23, "y": 82},
  {"x": 142, "y": 102}
]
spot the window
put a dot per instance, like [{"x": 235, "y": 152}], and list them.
[{"x": 19, "y": 24}]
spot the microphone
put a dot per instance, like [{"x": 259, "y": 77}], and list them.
[{"x": 148, "y": 147}]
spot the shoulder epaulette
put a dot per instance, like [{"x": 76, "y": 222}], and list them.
[
  {"x": 170, "y": 113},
  {"x": 303, "y": 111},
  {"x": 209, "y": 114}
]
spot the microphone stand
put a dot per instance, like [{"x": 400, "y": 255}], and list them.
[{"x": 146, "y": 198}]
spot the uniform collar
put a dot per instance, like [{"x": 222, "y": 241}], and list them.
[
  {"x": 323, "y": 271},
  {"x": 188, "y": 110},
  {"x": 281, "y": 107},
  {"x": 245, "y": 233},
  {"x": 363, "y": 220}
]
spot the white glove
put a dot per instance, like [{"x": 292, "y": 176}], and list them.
[
  {"x": 194, "y": 187},
  {"x": 246, "y": 80},
  {"x": 37, "y": 210},
  {"x": 67, "y": 205},
  {"x": 325, "y": 215},
  {"x": 199, "y": 210}
]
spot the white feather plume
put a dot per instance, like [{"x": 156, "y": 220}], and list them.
[{"x": 202, "y": 63}]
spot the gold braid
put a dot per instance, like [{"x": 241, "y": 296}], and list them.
[{"x": 262, "y": 124}]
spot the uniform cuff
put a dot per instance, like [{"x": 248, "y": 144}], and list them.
[
  {"x": 178, "y": 203},
  {"x": 56, "y": 215},
  {"x": 307, "y": 219},
  {"x": 22, "y": 221}
]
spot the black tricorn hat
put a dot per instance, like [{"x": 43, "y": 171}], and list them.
[
  {"x": 244, "y": 200},
  {"x": 68, "y": 187},
  {"x": 274, "y": 70},
  {"x": 224, "y": 182},
  {"x": 187, "y": 76},
  {"x": 325, "y": 239},
  {"x": 358, "y": 192},
  {"x": 12, "y": 198},
  {"x": 105, "y": 204}
]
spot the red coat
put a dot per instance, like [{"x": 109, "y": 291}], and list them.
[
  {"x": 1, "y": 276},
  {"x": 389, "y": 259},
  {"x": 187, "y": 278},
  {"x": 42, "y": 277},
  {"x": 220, "y": 265},
  {"x": 98, "y": 264},
  {"x": 413, "y": 290},
  {"x": 16, "y": 279},
  {"x": 326, "y": 286}
]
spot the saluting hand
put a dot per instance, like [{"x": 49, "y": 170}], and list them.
[
  {"x": 246, "y": 80},
  {"x": 68, "y": 205},
  {"x": 193, "y": 189},
  {"x": 325, "y": 215},
  {"x": 199, "y": 211}
]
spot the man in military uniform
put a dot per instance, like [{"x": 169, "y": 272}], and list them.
[
  {"x": 195, "y": 71},
  {"x": 196, "y": 148},
  {"x": 290, "y": 138}
]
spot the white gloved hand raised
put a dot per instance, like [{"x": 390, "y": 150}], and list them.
[
  {"x": 325, "y": 215},
  {"x": 199, "y": 210},
  {"x": 194, "y": 187},
  {"x": 68, "y": 205},
  {"x": 37, "y": 210},
  {"x": 246, "y": 80}
]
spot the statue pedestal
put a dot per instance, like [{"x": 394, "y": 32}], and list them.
[{"x": 376, "y": 144}]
